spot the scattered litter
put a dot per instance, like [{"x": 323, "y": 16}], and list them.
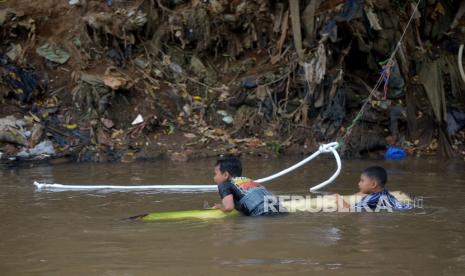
[
  {"x": 53, "y": 53},
  {"x": 24, "y": 83},
  {"x": 455, "y": 121},
  {"x": 190, "y": 135},
  {"x": 373, "y": 19},
  {"x": 14, "y": 136},
  {"x": 138, "y": 120},
  {"x": 252, "y": 73},
  {"x": 115, "y": 82},
  {"x": 176, "y": 69},
  {"x": 14, "y": 52},
  {"x": 197, "y": 66},
  {"x": 43, "y": 148},
  {"x": 249, "y": 83},
  {"x": 107, "y": 123},
  {"x": 12, "y": 131},
  {"x": 70, "y": 126},
  {"x": 36, "y": 134},
  {"x": 315, "y": 70},
  {"x": 77, "y": 42},
  {"x": 228, "y": 120},
  {"x": 394, "y": 153}
]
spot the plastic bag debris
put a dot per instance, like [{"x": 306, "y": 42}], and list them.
[
  {"x": 43, "y": 148},
  {"x": 107, "y": 123},
  {"x": 137, "y": 120},
  {"x": 455, "y": 121},
  {"x": 24, "y": 83},
  {"x": 11, "y": 121},
  {"x": 197, "y": 66},
  {"x": 92, "y": 94},
  {"x": 373, "y": 19},
  {"x": 176, "y": 69},
  {"x": 394, "y": 153},
  {"x": 315, "y": 70},
  {"x": 333, "y": 116},
  {"x": 36, "y": 134},
  {"x": 249, "y": 83},
  {"x": 14, "y": 52},
  {"x": 12, "y": 131},
  {"x": 115, "y": 82},
  {"x": 227, "y": 119},
  {"x": 119, "y": 24},
  {"x": 52, "y": 53}
]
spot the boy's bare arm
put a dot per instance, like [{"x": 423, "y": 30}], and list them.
[
  {"x": 227, "y": 204},
  {"x": 340, "y": 200}
]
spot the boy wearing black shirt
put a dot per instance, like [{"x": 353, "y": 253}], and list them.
[{"x": 241, "y": 193}]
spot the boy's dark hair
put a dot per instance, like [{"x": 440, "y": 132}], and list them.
[
  {"x": 230, "y": 164},
  {"x": 378, "y": 173}
]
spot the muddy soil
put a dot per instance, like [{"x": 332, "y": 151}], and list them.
[{"x": 130, "y": 80}]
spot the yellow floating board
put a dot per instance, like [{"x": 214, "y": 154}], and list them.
[{"x": 310, "y": 204}]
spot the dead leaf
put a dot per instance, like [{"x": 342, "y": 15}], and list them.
[{"x": 115, "y": 82}]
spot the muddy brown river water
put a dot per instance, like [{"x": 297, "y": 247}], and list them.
[{"x": 80, "y": 233}]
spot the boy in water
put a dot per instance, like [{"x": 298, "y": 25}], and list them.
[
  {"x": 372, "y": 187},
  {"x": 239, "y": 192}
]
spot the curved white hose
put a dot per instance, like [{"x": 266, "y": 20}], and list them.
[
  {"x": 326, "y": 148},
  {"x": 331, "y": 147},
  {"x": 334, "y": 176}
]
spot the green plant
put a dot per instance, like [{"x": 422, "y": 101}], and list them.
[{"x": 275, "y": 146}]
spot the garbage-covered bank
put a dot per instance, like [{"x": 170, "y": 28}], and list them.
[{"x": 100, "y": 81}]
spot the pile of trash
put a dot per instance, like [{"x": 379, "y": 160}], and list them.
[
  {"x": 33, "y": 139},
  {"x": 119, "y": 79},
  {"x": 24, "y": 139}
]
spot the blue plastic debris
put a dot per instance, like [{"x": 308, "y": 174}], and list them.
[
  {"x": 395, "y": 153},
  {"x": 249, "y": 83}
]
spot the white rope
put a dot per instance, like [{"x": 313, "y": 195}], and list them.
[
  {"x": 202, "y": 188},
  {"x": 325, "y": 148},
  {"x": 333, "y": 150}
]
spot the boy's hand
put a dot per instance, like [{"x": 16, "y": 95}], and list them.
[
  {"x": 340, "y": 199},
  {"x": 227, "y": 205}
]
